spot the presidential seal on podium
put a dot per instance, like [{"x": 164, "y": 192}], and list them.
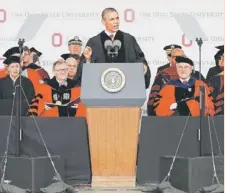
[{"x": 113, "y": 80}]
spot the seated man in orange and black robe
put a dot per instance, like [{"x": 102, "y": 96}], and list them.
[
  {"x": 181, "y": 96},
  {"x": 164, "y": 76},
  {"x": 59, "y": 96}
]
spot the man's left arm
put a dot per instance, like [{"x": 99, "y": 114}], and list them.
[{"x": 140, "y": 57}]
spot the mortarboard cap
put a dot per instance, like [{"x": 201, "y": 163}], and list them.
[
  {"x": 75, "y": 41},
  {"x": 12, "y": 59},
  {"x": 181, "y": 59},
  {"x": 36, "y": 51},
  {"x": 12, "y": 51},
  {"x": 220, "y": 47},
  {"x": 220, "y": 52},
  {"x": 66, "y": 56}
]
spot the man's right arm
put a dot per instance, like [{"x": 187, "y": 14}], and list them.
[{"x": 87, "y": 53}]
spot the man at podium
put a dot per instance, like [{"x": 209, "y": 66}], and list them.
[{"x": 113, "y": 45}]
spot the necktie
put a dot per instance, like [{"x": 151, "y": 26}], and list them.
[
  {"x": 111, "y": 36},
  {"x": 185, "y": 82}
]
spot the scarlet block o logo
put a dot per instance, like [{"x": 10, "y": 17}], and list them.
[
  {"x": 57, "y": 39},
  {"x": 129, "y": 15},
  {"x": 2, "y": 16},
  {"x": 1, "y": 63},
  {"x": 184, "y": 41}
]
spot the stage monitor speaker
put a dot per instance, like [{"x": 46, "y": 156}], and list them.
[
  {"x": 32, "y": 173},
  {"x": 191, "y": 173}
]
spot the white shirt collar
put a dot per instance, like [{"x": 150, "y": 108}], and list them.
[
  {"x": 185, "y": 80},
  {"x": 109, "y": 33}
]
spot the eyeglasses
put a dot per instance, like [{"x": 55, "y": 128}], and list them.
[
  {"x": 72, "y": 66},
  {"x": 184, "y": 68},
  {"x": 61, "y": 70}
]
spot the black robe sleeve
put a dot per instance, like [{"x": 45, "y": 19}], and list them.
[
  {"x": 159, "y": 82},
  {"x": 1, "y": 89},
  {"x": 147, "y": 77},
  {"x": 140, "y": 57},
  {"x": 212, "y": 72},
  {"x": 217, "y": 84},
  {"x": 30, "y": 93},
  {"x": 89, "y": 44}
]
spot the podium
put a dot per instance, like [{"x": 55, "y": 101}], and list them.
[{"x": 113, "y": 94}]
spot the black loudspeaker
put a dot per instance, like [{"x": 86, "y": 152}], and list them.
[
  {"x": 191, "y": 173},
  {"x": 32, "y": 173}
]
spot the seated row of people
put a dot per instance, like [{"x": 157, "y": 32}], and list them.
[
  {"x": 59, "y": 96},
  {"x": 167, "y": 74}
]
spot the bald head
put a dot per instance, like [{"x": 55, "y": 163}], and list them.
[
  {"x": 177, "y": 52},
  {"x": 174, "y": 53}
]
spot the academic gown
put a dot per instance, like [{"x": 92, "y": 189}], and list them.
[
  {"x": 34, "y": 76},
  {"x": 130, "y": 51},
  {"x": 217, "y": 85},
  {"x": 212, "y": 72},
  {"x": 7, "y": 88},
  {"x": 51, "y": 93},
  {"x": 187, "y": 98},
  {"x": 41, "y": 71},
  {"x": 163, "y": 67},
  {"x": 161, "y": 79}
]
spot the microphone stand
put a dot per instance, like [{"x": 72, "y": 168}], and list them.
[
  {"x": 112, "y": 55},
  {"x": 202, "y": 100},
  {"x": 18, "y": 103}
]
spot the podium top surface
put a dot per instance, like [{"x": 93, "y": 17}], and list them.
[{"x": 113, "y": 84}]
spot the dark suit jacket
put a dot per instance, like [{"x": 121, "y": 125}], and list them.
[{"x": 133, "y": 52}]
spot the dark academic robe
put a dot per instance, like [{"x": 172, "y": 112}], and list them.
[
  {"x": 187, "y": 98},
  {"x": 212, "y": 72},
  {"x": 163, "y": 67},
  {"x": 7, "y": 88},
  {"x": 162, "y": 78},
  {"x": 76, "y": 78},
  {"x": 66, "y": 96},
  {"x": 130, "y": 51},
  {"x": 217, "y": 85}
]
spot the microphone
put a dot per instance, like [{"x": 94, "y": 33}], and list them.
[
  {"x": 116, "y": 46},
  {"x": 108, "y": 46},
  {"x": 20, "y": 43}
]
